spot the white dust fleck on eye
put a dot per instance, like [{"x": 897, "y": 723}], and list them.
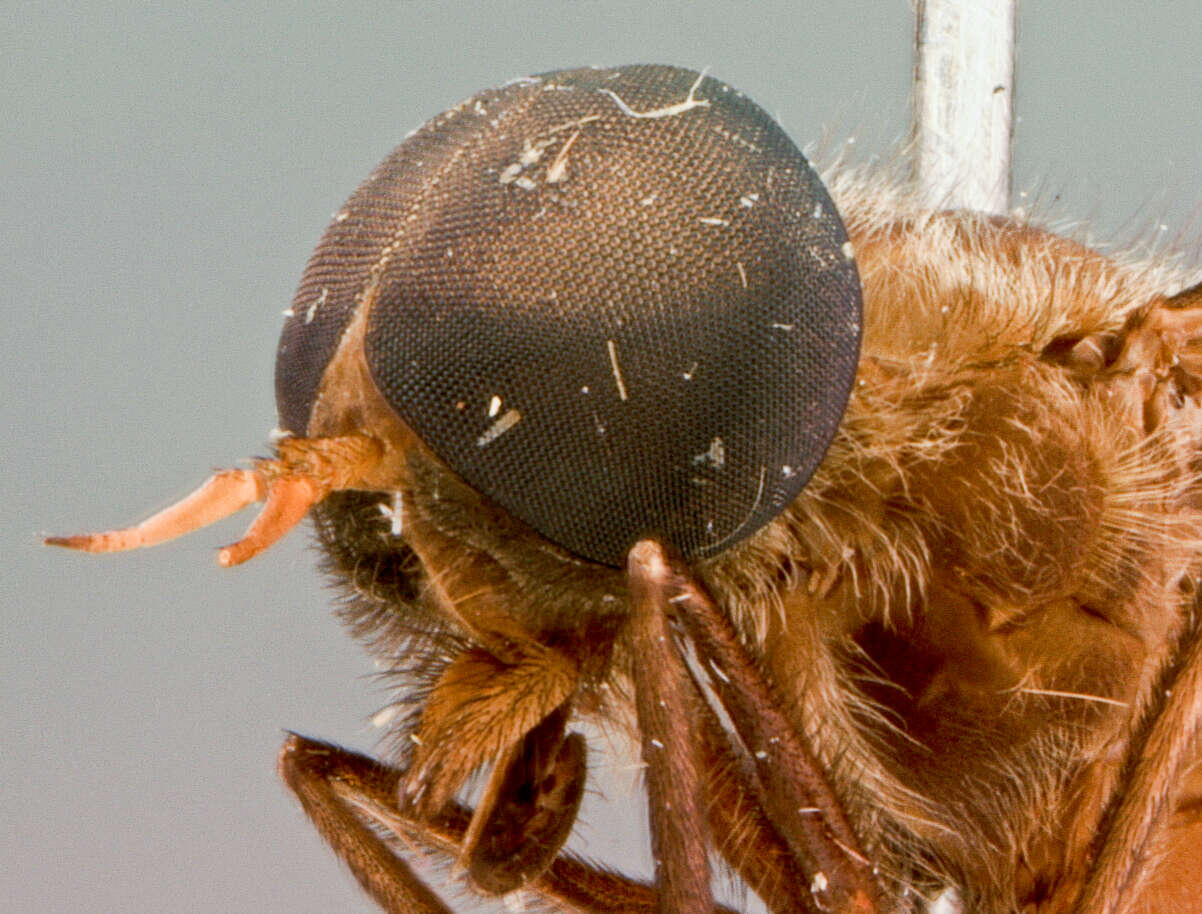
[
  {"x": 648, "y": 200},
  {"x": 558, "y": 168},
  {"x": 688, "y": 374},
  {"x": 817, "y": 214},
  {"x": 788, "y": 328},
  {"x": 500, "y": 426},
  {"x": 761, "y": 754},
  {"x": 749, "y": 200},
  {"x": 450, "y": 252},
  {"x": 584, "y": 389},
  {"x": 531, "y": 152},
  {"x": 848, "y": 251},
  {"x": 715, "y": 456},
  {"x": 317, "y": 303},
  {"x": 342, "y": 215},
  {"x": 786, "y": 471},
  {"x": 742, "y": 273},
  {"x": 525, "y": 183},
  {"x": 612, "y": 347},
  {"x": 713, "y": 220},
  {"x": 819, "y": 883},
  {"x": 288, "y": 312},
  {"x": 657, "y": 744},
  {"x": 688, "y": 104},
  {"x": 509, "y": 172},
  {"x": 600, "y": 425},
  {"x": 494, "y": 406}
]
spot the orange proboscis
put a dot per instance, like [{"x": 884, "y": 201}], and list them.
[{"x": 309, "y": 470}]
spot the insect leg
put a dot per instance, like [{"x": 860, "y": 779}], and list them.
[
  {"x": 674, "y": 780},
  {"x": 798, "y": 799},
  {"x": 327, "y": 780},
  {"x": 742, "y": 831},
  {"x": 342, "y": 792},
  {"x": 1157, "y": 766}
]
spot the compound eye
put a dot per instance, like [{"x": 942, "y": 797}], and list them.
[{"x": 619, "y": 303}]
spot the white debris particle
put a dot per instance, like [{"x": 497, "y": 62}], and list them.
[
  {"x": 761, "y": 754},
  {"x": 342, "y": 215},
  {"x": 415, "y": 739},
  {"x": 531, "y": 153},
  {"x": 848, "y": 251},
  {"x": 715, "y": 456},
  {"x": 278, "y": 434},
  {"x": 558, "y": 168},
  {"x": 617, "y": 369},
  {"x": 648, "y": 200},
  {"x": 788, "y": 328},
  {"x": 494, "y": 406},
  {"x": 600, "y": 425},
  {"x": 525, "y": 183},
  {"x": 749, "y": 200},
  {"x": 688, "y": 375},
  {"x": 657, "y": 744},
  {"x": 288, "y": 313},
  {"x": 584, "y": 389},
  {"x": 818, "y": 884},
  {"x": 395, "y": 514},
  {"x": 509, "y": 172},
  {"x": 947, "y": 902},
  {"x": 500, "y": 426},
  {"x": 385, "y": 716},
  {"x": 450, "y": 252},
  {"x": 713, "y": 220},
  {"x": 817, "y": 214},
  {"x": 317, "y": 303},
  {"x": 667, "y": 111},
  {"x": 742, "y": 273},
  {"x": 479, "y": 108},
  {"x": 786, "y": 471}
]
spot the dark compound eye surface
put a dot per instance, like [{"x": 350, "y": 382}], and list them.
[{"x": 618, "y": 302}]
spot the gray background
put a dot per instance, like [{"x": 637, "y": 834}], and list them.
[{"x": 165, "y": 173}]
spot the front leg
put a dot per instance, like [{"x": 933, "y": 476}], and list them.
[
  {"x": 326, "y": 779},
  {"x": 352, "y": 800},
  {"x": 796, "y": 796}
]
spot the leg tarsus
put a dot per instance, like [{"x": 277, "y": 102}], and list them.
[
  {"x": 310, "y": 769},
  {"x": 337, "y": 787}
]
